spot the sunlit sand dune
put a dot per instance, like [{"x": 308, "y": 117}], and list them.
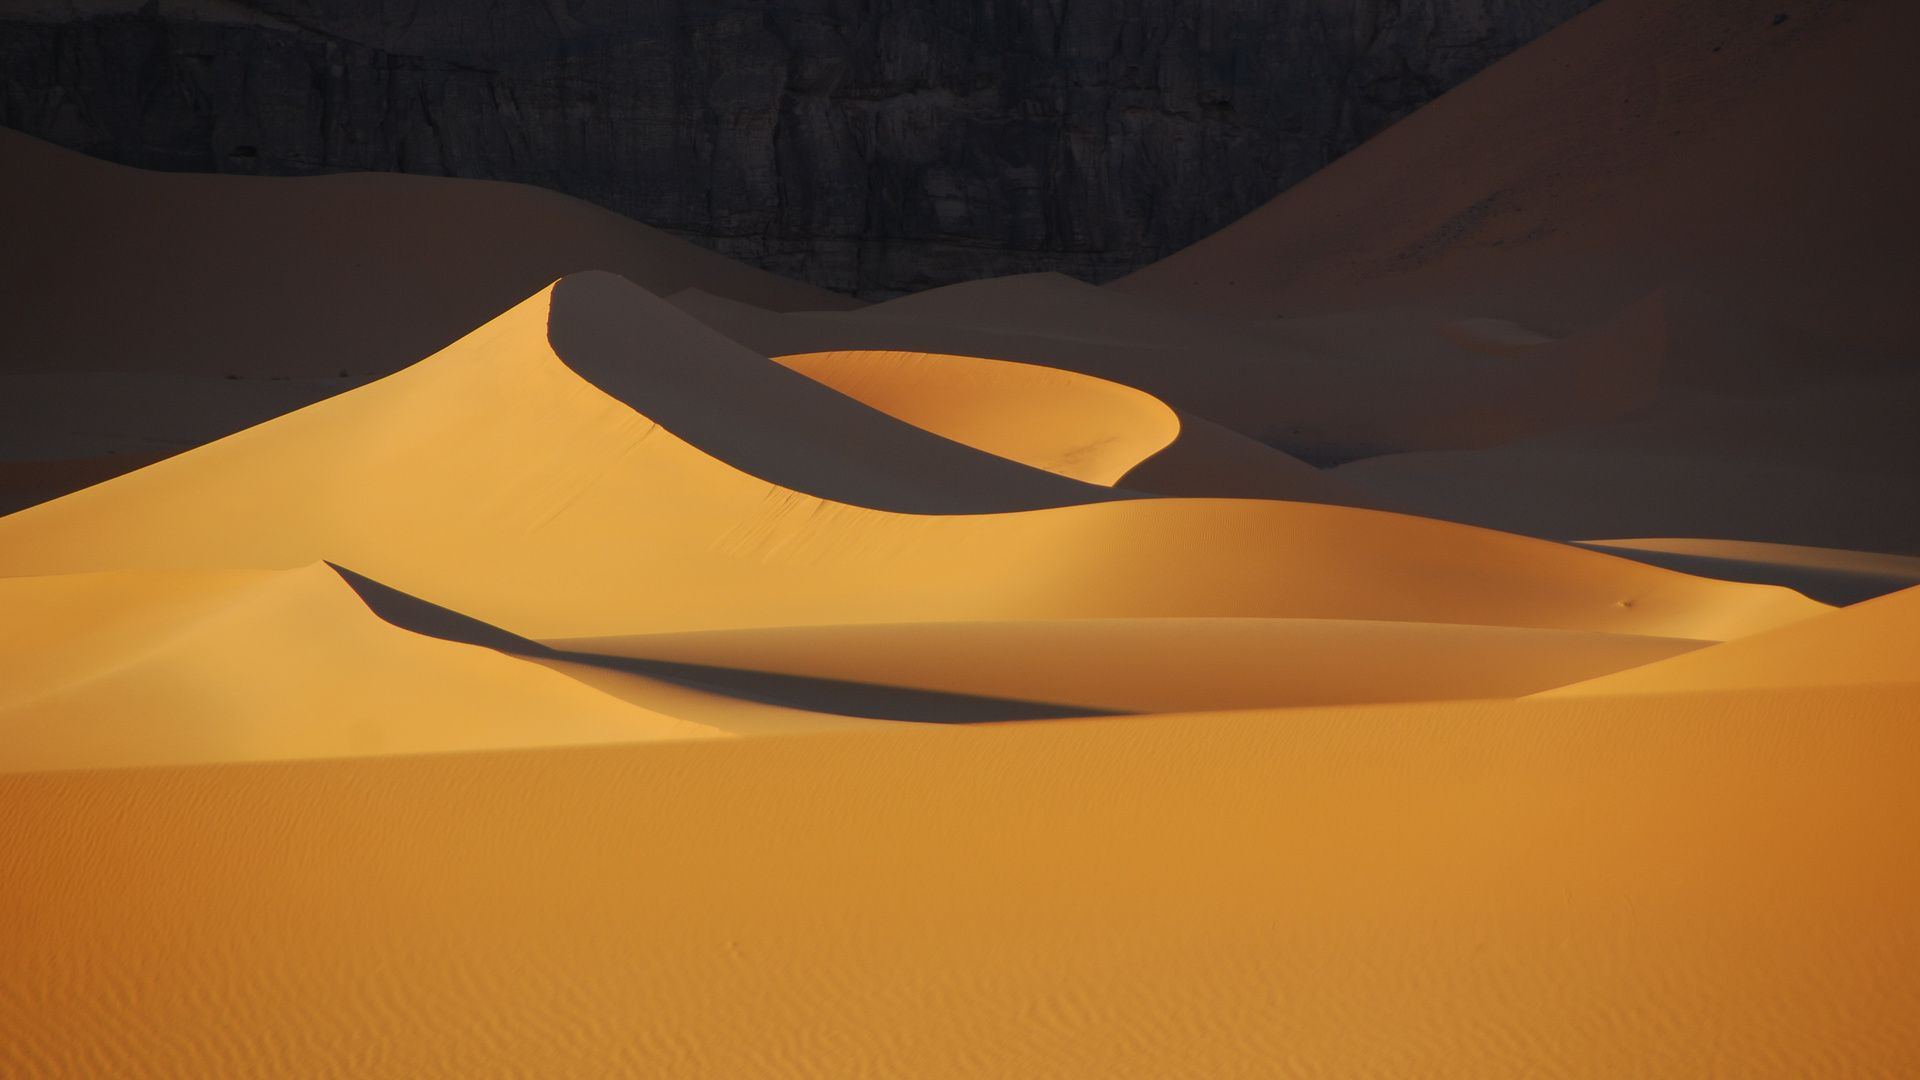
[
  {"x": 729, "y": 713},
  {"x": 1060, "y": 421},
  {"x": 1875, "y": 641},
  {"x": 381, "y": 724},
  {"x": 1672, "y": 885},
  {"x": 1171, "y": 665},
  {"x": 258, "y": 276},
  {"x": 154, "y": 668},
  {"x": 495, "y": 480}
]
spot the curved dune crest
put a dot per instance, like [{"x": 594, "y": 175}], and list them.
[
  {"x": 159, "y": 668},
  {"x": 1076, "y": 425},
  {"x": 774, "y": 423},
  {"x": 492, "y": 479},
  {"x": 1171, "y": 665}
]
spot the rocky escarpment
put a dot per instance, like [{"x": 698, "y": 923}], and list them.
[{"x": 870, "y": 146}]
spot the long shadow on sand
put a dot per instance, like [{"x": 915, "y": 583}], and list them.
[{"x": 868, "y": 700}]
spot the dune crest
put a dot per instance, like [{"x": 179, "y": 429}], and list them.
[
  {"x": 160, "y": 668},
  {"x": 1061, "y": 421},
  {"x": 1874, "y": 641},
  {"x": 1113, "y": 709},
  {"x": 1171, "y": 665},
  {"x": 496, "y": 481}
]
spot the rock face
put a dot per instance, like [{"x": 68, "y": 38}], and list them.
[{"x": 869, "y": 146}]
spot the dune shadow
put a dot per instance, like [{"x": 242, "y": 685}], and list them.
[
  {"x": 1829, "y": 585},
  {"x": 776, "y": 424},
  {"x": 870, "y": 701}
]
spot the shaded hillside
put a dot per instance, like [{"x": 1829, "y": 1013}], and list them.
[{"x": 868, "y": 146}]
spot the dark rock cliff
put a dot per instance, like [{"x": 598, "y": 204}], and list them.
[{"x": 870, "y": 146}]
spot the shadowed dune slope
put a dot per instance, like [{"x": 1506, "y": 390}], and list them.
[
  {"x": 493, "y": 480},
  {"x": 1834, "y": 467},
  {"x": 1672, "y": 885},
  {"x": 1074, "y": 424},
  {"x": 120, "y": 269},
  {"x": 1738, "y": 148},
  {"x": 1874, "y": 641},
  {"x": 1330, "y": 388},
  {"x": 1171, "y": 665},
  {"x": 1825, "y": 574},
  {"x": 156, "y": 668},
  {"x": 1208, "y": 461},
  {"x": 774, "y": 423},
  {"x": 801, "y": 692},
  {"x": 1061, "y": 421},
  {"x": 29, "y": 483}
]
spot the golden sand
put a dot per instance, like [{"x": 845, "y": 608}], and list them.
[{"x": 395, "y": 736}]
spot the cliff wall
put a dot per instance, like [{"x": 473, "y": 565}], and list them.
[{"x": 869, "y": 146}]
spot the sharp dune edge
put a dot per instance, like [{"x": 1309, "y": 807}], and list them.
[
  {"x": 1502, "y": 665},
  {"x": 494, "y": 480}
]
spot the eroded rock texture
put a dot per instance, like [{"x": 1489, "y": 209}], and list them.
[{"x": 870, "y": 146}]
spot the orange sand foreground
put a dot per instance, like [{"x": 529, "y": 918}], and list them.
[{"x": 716, "y": 678}]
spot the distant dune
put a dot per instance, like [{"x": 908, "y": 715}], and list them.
[
  {"x": 1749, "y": 151},
  {"x": 300, "y": 278}
]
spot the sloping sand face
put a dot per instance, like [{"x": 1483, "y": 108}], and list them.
[
  {"x": 1872, "y": 642},
  {"x": 1639, "y": 144},
  {"x": 1074, "y": 424},
  {"x": 259, "y": 277},
  {"x": 1332, "y": 387},
  {"x": 1061, "y": 421},
  {"x": 1825, "y": 574},
  {"x": 155, "y": 668},
  {"x": 1171, "y": 665},
  {"x": 1499, "y": 807},
  {"x": 1717, "y": 883},
  {"x": 494, "y": 480}
]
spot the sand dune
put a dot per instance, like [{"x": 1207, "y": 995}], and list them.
[
  {"x": 1335, "y": 387},
  {"x": 1832, "y": 467},
  {"x": 46, "y": 416},
  {"x": 1825, "y": 574},
  {"x": 1492, "y": 806},
  {"x": 496, "y": 481},
  {"x": 780, "y": 426},
  {"x": 29, "y": 483},
  {"x": 1811, "y": 558},
  {"x": 1875, "y": 641},
  {"x": 1640, "y": 144},
  {"x": 258, "y": 277},
  {"x": 1170, "y": 665},
  {"x": 795, "y": 694},
  {"x": 1075, "y": 425},
  {"x": 729, "y": 713},
  {"x": 156, "y": 668},
  {"x": 1668, "y": 885}
]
